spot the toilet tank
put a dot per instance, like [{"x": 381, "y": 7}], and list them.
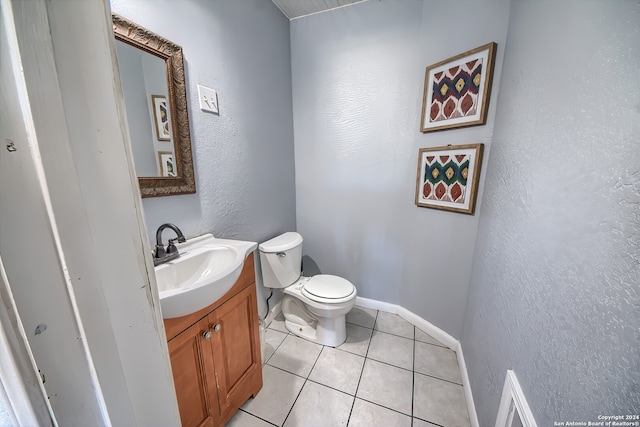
[{"x": 281, "y": 260}]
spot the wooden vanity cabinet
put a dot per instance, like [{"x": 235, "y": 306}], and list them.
[{"x": 215, "y": 354}]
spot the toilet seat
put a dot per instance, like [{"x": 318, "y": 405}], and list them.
[{"x": 327, "y": 288}]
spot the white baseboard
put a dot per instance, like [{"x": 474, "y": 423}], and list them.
[
  {"x": 377, "y": 305},
  {"x": 429, "y": 328},
  {"x": 438, "y": 334},
  {"x": 468, "y": 397}
]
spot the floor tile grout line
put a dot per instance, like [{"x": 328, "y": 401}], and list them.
[
  {"x": 306, "y": 379},
  {"x": 435, "y": 345},
  {"x": 288, "y": 372},
  {"x": 438, "y": 378},
  {"x": 357, "y": 324},
  {"x": 347, "y": 351},
  {"x": 362, "y": 370},
  {"x": 413, "y": 377},
  {"x": 260, "y": 418},
  {"x": 426, "y": 421},
  {"x": 340, "y": 391},
  {"x": 294, "y": 403},
  {"x": 393, "y": 335},
  {"x": 390, "y": 364},
  {"x": 377, "y": 330},
  {"x": 385, "y": 352},
  {"x": 274, "y": 350},
  {"x": 385, "y": 407},
  {"x": 402, "y": 336},
  {"x": 353, "y": 395},
  {"x": 372, "y": 332},
  {"x": 332, "y": 388}
]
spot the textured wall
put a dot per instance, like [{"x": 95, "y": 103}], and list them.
[
  {"x": 358, "y": 75},
  {"x": 243, "y": 157},
  {"x": 555, "y": 286}
]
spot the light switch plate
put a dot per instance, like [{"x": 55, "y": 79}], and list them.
[{"x": 208, "y": 99}]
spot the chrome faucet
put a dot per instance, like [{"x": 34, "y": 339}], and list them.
[{"x": 163, "y": 255}]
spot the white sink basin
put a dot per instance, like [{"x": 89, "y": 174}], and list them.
[{"x": 206, "y": 269}]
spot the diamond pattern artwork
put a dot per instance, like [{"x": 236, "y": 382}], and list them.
[
  {"x": 448, "y": 177},
  {"x": 457, "y": 90},
  {"x": 445, "y": 178}
]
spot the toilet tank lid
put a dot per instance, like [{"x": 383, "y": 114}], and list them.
[{"x": 281, "y": 243}]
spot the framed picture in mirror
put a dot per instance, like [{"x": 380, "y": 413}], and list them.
[
  {"x": 160, "y": 117},
  {"x": 166, "y": 164}
]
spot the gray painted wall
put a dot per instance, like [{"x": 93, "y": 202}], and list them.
[
  {"x": 244, "y": 163},
  {"x": 553, "y": 284},
  {"x": 243, "y": 156},
  {"x": 358, "y": 76},
  {"x": 554, "y": 292}
]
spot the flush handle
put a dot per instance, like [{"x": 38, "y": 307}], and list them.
[{"x": 281, "y": 254}]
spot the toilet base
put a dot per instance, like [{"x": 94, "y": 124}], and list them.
[
  {"x": 331, "y": 332},
  {"x": 309, "y": 324}
]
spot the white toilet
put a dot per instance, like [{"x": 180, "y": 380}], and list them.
[{"x": 313, "y": 307}]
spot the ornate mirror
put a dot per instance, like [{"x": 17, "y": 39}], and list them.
[{"x": 152, "y": 75}]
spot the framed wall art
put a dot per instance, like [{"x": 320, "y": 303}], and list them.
[
  {"x": 166, "y": 163},
  {"x": 448, "y": 177},
  {"x": 161, "y": 117},
  {"x": 457, "y": 90}
]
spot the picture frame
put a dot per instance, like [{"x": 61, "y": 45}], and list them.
[
  {"x": 161, "y": 117},
  {"x": 447, "y": 177},
  {"x": 457, "y": 90},
  {"x": 166, "y": 163}
]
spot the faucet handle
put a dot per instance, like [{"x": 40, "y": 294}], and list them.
[
  {"x": 171, "y": 247},
  {"x": 160, "y": 252}
]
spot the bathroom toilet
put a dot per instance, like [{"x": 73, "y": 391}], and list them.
[{"x": 315, "y": 307}]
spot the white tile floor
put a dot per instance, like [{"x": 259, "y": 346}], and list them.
[{"x": 388, "y": 373}]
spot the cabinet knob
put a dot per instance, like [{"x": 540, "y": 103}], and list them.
[
  {"x": 206, "y": 335},
  {"x": 216, "y": 327}
]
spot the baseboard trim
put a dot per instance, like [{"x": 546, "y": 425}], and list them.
[
  {"x": 438, "y": 334},
  {"x": 471, "y": 406},
  {"x": 429, "y": 328},
  {"x": 377, "y": 305}
]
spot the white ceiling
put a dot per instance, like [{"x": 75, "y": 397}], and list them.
[{"x": 297, "y": 8}]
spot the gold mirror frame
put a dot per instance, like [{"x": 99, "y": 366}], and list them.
[{"x": 141, "y": 38}]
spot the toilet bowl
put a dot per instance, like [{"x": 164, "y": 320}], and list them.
[{"x": 315, "y": 307}]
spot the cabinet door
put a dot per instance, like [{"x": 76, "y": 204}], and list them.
[
  {"x": 236, "y": 350},
  {"x": 194, "y": 376}
]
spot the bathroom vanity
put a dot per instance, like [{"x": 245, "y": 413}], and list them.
[{"x": 215, "y": 354}]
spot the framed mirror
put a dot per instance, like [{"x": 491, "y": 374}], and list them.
[{"x": 153, "y": 84}]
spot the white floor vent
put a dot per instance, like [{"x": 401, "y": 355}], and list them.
[{"x": 514, "y": 410}]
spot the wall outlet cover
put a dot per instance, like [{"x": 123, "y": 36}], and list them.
[{"x": 208, "y": 99}]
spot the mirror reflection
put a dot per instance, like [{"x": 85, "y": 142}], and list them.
[
  {"x": 151, "y": 72},
  {"x": 145, "y": 90}
]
